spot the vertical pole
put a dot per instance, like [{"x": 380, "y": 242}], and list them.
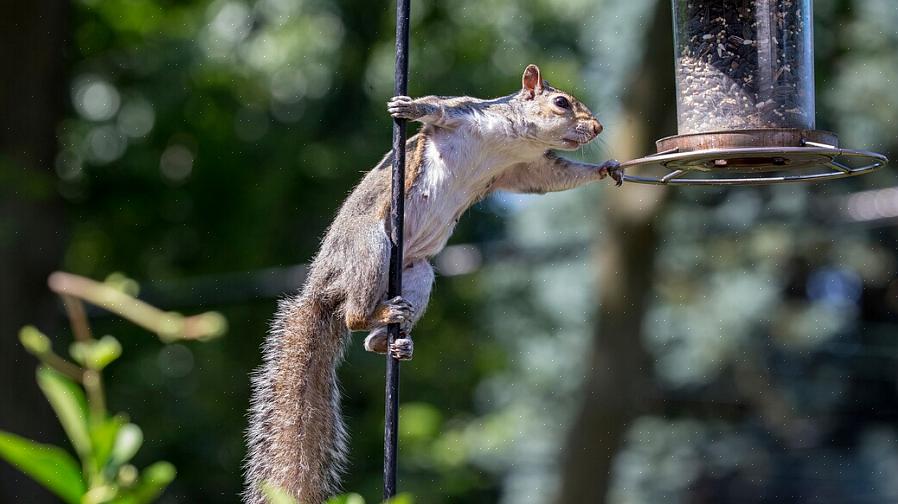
[{"x": 397, "y": 211}]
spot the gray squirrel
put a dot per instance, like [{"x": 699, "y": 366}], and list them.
[{"x": 466, "y": 149}]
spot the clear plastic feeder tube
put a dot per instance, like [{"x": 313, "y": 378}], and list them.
[{"x": 744, "y": 64}]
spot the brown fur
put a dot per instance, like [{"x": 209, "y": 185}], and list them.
[
  {"x": 414, "y": 159},
  {"x": 296, "y": 439}
]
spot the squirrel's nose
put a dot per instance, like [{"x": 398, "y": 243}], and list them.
[{"x": 597, "y": 127}]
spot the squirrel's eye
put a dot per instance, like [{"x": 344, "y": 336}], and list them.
[{"x": 561, "y": 101}]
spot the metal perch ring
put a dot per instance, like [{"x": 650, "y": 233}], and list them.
[{"x": 829, "y": 163}]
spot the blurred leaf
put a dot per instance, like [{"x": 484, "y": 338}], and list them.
[
  {"x": 209, "y": 325},
  {"x": 67, "y": 400},
  {"x": 104, "y": 434},
  {"x": 420, "y": 422},
  {"x": 122, "y": 283},
  {"x": 127, "y": 475},
  {"x": 101, "y": 494},
  {"x": 276, "y": 495},
  {"x": 105, "y": 350},
  {"x": 350, "y": 498},
  {"x": 96, "y": 354},
  {"x": 127, "y": 442},
  {"x": 49, "y": 465},
  {"x": 36, "y": 342},
  {"x": 153, "y": 481},
  {"x": 403, "y": 498}
]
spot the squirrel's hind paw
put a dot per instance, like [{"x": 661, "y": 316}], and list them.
[
  {"x": 402, "y": 349},
  {"x": 376, "y": 341}
]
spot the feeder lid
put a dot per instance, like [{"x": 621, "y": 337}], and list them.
[{"x": 751, "y": 157}]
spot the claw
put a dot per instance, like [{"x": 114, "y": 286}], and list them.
[
  {"x": 402, "y": 349},
  {"x": 402, "y": 107},
  {"x": 615, "y": 171},
  {"x": 397, "y": 311}
]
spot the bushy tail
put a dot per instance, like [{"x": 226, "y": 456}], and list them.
[{"x": 296, "y": 437}]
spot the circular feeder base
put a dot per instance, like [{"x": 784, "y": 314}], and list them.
[{"x": 751, "y": 157}]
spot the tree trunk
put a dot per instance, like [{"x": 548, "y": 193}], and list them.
[
  {"x": 32, "y": 43},
  {"x": 619, "y": 385}
]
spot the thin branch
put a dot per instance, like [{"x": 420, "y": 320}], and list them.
[
  {"x": 96, "y": 398},
  {"x": 168, "y": 325},
  {"x": 58, "y": 363},
  {"x": 74, "y": 308},
  {"x": 38, "y": 344},
  {"x": 65, "y": 367}
]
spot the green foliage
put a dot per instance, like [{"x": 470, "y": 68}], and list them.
[
  {"x": 350, "y": 498},
  {"x": 105, "y": 443},
  {"x": 275, "y": 495},
  {"x": 50, "y": 466},
  {"x": 230, "y": 132},
  {"x": 70, "y": 406},
  {"x": 96, "y": 354},
  {"x": 153, "y": 481}
]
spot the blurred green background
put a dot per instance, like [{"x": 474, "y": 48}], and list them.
[{"x": 700, "y": 345}]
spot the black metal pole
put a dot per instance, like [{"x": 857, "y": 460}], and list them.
[{"x": 397, "y": 214}]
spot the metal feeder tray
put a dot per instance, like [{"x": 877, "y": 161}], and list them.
[
  {"x": 769, "y": 155},
  {"x": 744, "y": 74}
]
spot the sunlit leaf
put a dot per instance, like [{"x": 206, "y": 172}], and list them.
[
  {"x": 403, "y": 498},
  {"x": 276, "y": 495},
  {"x": 96, "y": 354},
  {"x": 350, "y": 498},
  {"x": 420, "y": 422},
  {"x": 100, "y": 494},
  {"x": 153, "y": 481},
  {"x": 49, "y": 465},
  {"x": 122, "y": 283},
  {"x": 36, "y": 342},
  {"x": 67, "y": 400},
  {"x": 127, "y": 475},
  {"x": 127, "y": 442},
  {"x": 104, "y": 433}
]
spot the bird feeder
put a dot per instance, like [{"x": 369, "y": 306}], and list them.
[{"x": 745, "y": 101}]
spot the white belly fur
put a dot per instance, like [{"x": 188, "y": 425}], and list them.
[{"x": 456, "y": 173}]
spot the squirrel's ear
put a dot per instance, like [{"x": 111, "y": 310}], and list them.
[{"x": 532, "y": 81}]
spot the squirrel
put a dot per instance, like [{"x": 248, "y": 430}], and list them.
[{"x": 466, "y": 149}]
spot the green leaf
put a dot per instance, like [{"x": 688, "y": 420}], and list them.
[
  {"x": 36, "y": 342},
  {"x": 122, "y": 283},
  {"x": 153, "y": 481},
  {"x": 49, "y": 465},
  {"x": 403, "y": 498},
  {"x": 276, "y": 495},
  {"x": 128, "y": 441},
  {"x": 96, "y": 354},
  {"x": 67, "y": 400},
  {"x": 350, "y": 498},
  {"x": 100, "y": 494},
  {"x": 104, "y": 433},
  {"x": 420, "y": 422}
]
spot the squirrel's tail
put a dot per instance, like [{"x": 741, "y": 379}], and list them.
[{"x": 296, "y": 438}]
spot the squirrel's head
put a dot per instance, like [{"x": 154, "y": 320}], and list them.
[{"x": 562, "y": 121}]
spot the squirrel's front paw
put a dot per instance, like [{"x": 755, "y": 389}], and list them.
[
  {"x": 612, "y": 166},
  {"x": 403, "y": 107},
  {"x": 402, "y": 349}
]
